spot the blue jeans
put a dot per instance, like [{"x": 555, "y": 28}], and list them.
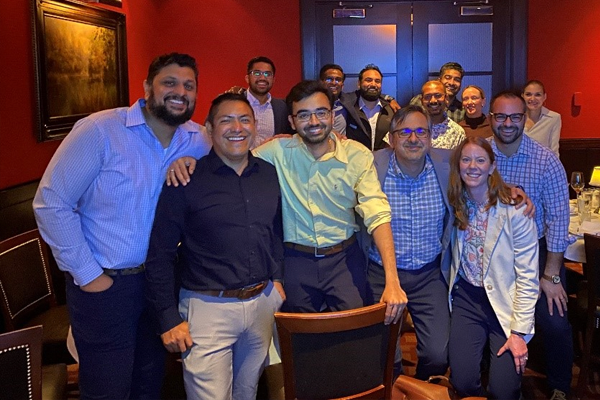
[{"x": 120, "y": 354}]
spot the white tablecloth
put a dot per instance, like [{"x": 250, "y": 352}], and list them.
[{"x": 576, "y": 251}]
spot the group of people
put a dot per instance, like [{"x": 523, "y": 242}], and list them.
[{"x": 200, "y": 264}]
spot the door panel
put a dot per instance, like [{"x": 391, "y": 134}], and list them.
[
  {"x": 380, "y": 38},
  {"x": 491, "y": 48}
]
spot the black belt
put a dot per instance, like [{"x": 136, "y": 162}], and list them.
[
  {"x": 241, "y": 294},
  {"x": 125, "y": 271},
  {"x": 322, "y": 251}
]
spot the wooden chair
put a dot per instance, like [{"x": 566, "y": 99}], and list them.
[
  {"x": 21, "y": 373},
  {"x": 27, "y": 295},
  {"x": 344, "y": 354},
  {"x": 591, "y": 308}
]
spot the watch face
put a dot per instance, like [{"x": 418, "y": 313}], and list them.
[{"x": 555, "y": 279}]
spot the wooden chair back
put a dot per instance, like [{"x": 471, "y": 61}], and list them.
[
  {"x": 343, "y": 354},
  {"x": 25, "y": 280},
  {"x": 21, "y": 364}
]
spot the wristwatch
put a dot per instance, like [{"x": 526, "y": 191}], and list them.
[{"x": 554, "y": 278}]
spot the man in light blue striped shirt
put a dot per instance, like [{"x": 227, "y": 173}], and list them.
[
  {"x": 415, "y": 183},
  {"x": 95, "y": 206}
]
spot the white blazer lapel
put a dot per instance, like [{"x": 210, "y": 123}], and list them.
[{"x": 496, "y": 221}]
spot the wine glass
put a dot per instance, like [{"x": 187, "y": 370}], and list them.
[{"x": 577, "y": 182}]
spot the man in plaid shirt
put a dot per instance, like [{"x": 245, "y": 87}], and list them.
[{"x": 523, "y": 162}]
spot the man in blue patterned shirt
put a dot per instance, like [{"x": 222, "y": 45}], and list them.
[
  {"x": 415, "y": 183},
  {"x": 522, "y": 161},
  {"x": 95, "y": 205}
]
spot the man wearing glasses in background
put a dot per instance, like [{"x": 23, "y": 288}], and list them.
[
  {"x": 451, "y": 75},
  {"x": 271, "y": 114},
  {"x": 332, "y": 77},
  {"x": 445, "y": 133}
]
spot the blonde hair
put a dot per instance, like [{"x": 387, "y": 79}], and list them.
[{"x": 457, "y": 196}]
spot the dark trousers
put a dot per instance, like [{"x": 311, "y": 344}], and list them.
[
  {"x": 556, "y": 334},
  {"x": 120, "y": 354},
  {"x": 427, "y": 294},
  {"x": 474, "y": 325},
  {"x": 336, "y": 282}
]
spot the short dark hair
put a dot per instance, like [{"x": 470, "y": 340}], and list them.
[
  {"x": 222, "y": 98},
  {"x": 402, "y": 113},
  {"x": 369, "y": 67},
  {"x": 452, "y": 65},
  {"x": 303, "y": 90},
  {"x": 508, "y": 94},
  {"x": 535, "y": 82},
  {"x": 259, "y": 59},
  {"x": 183, "y": 60},
  {"x": 327, "y": 67}
]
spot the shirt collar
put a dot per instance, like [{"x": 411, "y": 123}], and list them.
[
  {"x": 254, "y": 101},
  {"x": 362, "y": 104},
  {"x": 524, "y": 149},
  {"x": 394, "y": 168},
  {"x": 135, "y": 117},
  {"x": 339, "y": 153},
  {"x": 216, "y": 164}
]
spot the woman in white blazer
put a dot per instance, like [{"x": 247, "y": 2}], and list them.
[{"x": 494, "y": 276}]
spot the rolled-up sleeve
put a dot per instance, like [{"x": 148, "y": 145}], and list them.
[{"x": 373, "y": 205}]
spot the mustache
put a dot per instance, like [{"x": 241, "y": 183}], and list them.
[{"x": 184, "y": 99}]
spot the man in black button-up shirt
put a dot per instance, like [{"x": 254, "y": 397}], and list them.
[{"x": 228, "y": 220}]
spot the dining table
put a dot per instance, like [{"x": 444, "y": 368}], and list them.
[{"x": 576, "y": 251}]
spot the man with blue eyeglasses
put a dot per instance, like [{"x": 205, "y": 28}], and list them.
[
  {"x": 271, "y": 113},
  {"x": 415, "y": 177}
]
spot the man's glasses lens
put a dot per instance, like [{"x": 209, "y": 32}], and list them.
[
  {"x": 305, "y": 115},
  {"x": 257, "y": 73},
  {"x": 516, "y": 117},
  {"x": 336, "y": 80},
  {"x": 419, "y": 132}
]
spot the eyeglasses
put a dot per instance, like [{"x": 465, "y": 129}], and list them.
[
  {"x": 257, "y": 73},
  {"x": 437, "y": 96},
  {"x": 304, "y": 116},
  {"x": 406, "y": 133},
  {"x": 336, "y": 79},
  {"x": 516, "y": 117}
]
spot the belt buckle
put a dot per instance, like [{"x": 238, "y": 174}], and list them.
[{"x": 317, "y": 255}]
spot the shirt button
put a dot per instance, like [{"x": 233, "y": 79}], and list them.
[
  {"x": 489, "y": 287},
  {"x": 252, "y": 253}
]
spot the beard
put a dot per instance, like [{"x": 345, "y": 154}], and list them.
[
  {"x": 311, "y": 139},
  {"x": 161, "y": 111},
  {"x": 507, "y": 140},
  {"x": 370, "y": 95}
]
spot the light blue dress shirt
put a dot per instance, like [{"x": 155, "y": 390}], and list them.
[{"x": 96, "y": 201}]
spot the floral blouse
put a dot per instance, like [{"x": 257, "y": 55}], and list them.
[{"x": 471, "y": 266}]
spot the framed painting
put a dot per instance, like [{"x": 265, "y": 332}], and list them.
[
  {"x": 80, "y": 58},
  {"x": 116, "y": 3}
]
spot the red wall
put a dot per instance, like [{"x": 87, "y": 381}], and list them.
[
  {"x": 564, "y": 53},
  {"x": 222, "y": 37}
]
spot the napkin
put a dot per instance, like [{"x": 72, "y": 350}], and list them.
[{"x": 590, "y": 227}]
